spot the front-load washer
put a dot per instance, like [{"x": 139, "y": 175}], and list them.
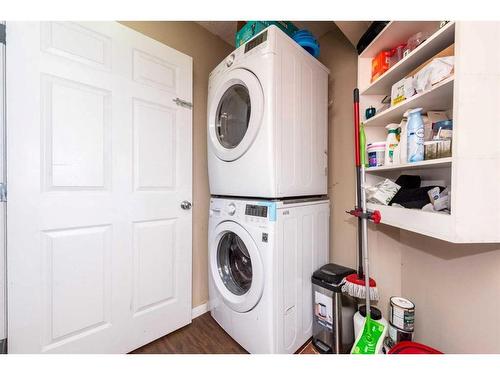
[
  {"x": 261, "y": 258},
  {"x": 267, "y": 120}
]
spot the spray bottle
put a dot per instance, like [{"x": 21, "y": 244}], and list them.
[
  {"x": 415, "y": 130},
  {"x": 391, "y": 143}
]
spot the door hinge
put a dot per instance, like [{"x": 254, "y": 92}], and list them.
[
  {"x": 2, "y": 33},
  {"x": 183, "y": 103},
  {"x": 3, "y": 192}
]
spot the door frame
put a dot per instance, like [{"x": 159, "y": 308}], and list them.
[{"x": 3, "y": 203}]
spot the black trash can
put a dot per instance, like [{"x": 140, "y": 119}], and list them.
[{"x": 333, "y": 311}]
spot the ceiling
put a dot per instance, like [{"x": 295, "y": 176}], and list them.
[{"x": 227, "y": 29}]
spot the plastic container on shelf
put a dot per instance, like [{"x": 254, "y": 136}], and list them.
[
  {"x": 415, "y": 129},
  {"x": 380, "y": 64},
  {"x": 397, "y": 54},
  {"x": 376, "y": 154},
  {"x": 415, "y": 40}
]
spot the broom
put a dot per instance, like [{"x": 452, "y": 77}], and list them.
[{"x": 354, "y": 284}]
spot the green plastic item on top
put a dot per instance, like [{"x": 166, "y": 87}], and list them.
[
  {"x": 362, "y": 145},
  {"x": 252, "y": 28},
  {"x": 370, "y": 339}
]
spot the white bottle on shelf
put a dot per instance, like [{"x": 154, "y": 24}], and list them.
[
  {"x": 403, "y": 141},
  {"x": 391, "y": 143}
]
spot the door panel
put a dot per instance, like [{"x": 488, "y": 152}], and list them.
[
  {"x": 76, "y": 121},
  {"x": 99, "y": 161},
  {"x": 154, "y": 146}
]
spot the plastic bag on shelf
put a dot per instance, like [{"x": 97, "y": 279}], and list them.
[
  {"x": 437, "y": 70},
  {"x": 383, "y": 192}
]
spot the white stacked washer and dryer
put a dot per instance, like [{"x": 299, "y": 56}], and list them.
[{"x": 269, "y": 212}]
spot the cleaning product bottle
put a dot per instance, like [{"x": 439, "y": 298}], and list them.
[
  {"x": 390, "y": 144},
  {"x": 403, "y": 141},
  {"x": 415, "y": 129},
  {"x": 360, "y": 317},
  {"x": 362, "y": 145}
]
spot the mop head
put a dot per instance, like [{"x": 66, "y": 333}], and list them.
[{"x": 355, "y": 287}]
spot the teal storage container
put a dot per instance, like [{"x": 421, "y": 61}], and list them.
[{"x": 252, "y": 28}]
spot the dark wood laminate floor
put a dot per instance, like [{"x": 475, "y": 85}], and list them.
[{"x": 202, "y": 336}]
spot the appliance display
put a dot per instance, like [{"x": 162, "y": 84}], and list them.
[
  {"x": 267, "y": 121},
  {"x": 262, "y": 254}
]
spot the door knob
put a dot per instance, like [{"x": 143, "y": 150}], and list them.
[{"x": 186, "y": 205}]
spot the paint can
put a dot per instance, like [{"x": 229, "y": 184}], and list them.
[
  {"x": 402, "y": 313},
  {"x": 397, "y": 335}
]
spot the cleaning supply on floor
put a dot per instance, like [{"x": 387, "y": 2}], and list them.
[
  {"x": 360, "y": 316},
  {"x": 402, "y": 313},
  {"x": 371, "y": 338},
  {"x": 333, "y": 312},
  {"x": 397, "y": 335},
  {"x": 376, "y": 154},
  {"x": 410, "y": 347},
  {"x": 391, "y": 143},
  {"x": 415, "y": 130}
]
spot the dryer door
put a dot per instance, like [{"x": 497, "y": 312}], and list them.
[
  {"x": 236, "y": 266},
  {"x": 235, "y": 114}
]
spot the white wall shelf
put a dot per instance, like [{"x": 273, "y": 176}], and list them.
[
  {"x": 426, "y": 164},
  {"x": 397, "y": 32},
  {"x": 470, "y": 97},
  {"x": 439, "y": 97},
  {"x": 441, "y": 39},
  {"x": 433, "y": 224}
]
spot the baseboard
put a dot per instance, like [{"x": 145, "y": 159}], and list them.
[{"x": 199, "y": 310}]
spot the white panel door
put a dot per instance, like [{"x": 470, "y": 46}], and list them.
[{"x": 99, "y": 161}]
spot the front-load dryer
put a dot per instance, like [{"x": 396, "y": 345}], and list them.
[
  {"x": 261, "y": 258},
  {"x": 267, "y": 120}
]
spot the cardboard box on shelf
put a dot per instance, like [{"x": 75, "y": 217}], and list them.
[{"x": 402, "y": 90}]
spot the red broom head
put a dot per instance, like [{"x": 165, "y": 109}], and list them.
[{"x": 354, "y": 279}]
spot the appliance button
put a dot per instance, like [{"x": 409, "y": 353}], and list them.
[
  {"x": 231, "y": 209},
  {"x": 230, "y": 60}
]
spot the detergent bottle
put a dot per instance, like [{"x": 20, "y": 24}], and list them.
[
  {"x": 391, "y": 144},
  {"x": 415, "y": 130}
]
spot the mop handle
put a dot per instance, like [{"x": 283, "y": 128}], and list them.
[
  {"x": 356, "y": 126},
  {"x": 364, "y": 243}
]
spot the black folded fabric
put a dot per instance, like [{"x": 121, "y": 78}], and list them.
[
  {"x": 408, "y": 181},
  {"x": 413, "y": 197}
]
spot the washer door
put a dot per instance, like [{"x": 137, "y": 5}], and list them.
[
  {"x": 236, "y": 267},
  {"x": 235, "y": 114}
]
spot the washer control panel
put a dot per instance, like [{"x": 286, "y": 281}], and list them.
[{"x": 255, "y": 210}]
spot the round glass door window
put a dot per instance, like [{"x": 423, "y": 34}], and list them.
[
  {"x": 234, "y": 264},
  {"x": 233, "y": 116}
]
